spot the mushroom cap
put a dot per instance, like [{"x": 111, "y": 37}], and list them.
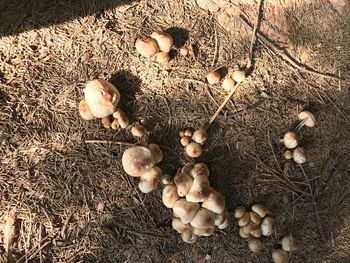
[
  {"x": 185, "y": 141},
  {"x": 228, "y": 84},
  {"x": 147, "y": 186},
  {"x": 200, "y": 190},
  {"x": 243, "y": 234},
  {"x": 156, "y": 151},
  {"x": 188, "y": 237},
  {"x": 102, "y": 97},
  {"x": 121, "y": 117},
  {"x": 170, "y": 196},
  {"x": 84, "y": 111},
  {"x": 289, "y": 243},
  {"x": 213, "y": 77},
  {"x": 184, "y": 51},
  {"x": 224, "y": 224},
  {"x": 138, "y": 130},
  {"x": 299, "y": 155},
  {"x": 203, "y": 219},
  {"x": 185, "y": 210},
  {"x": 115, "y": 124},
  {"x": 279, "y": 256},
  {"x": 146, "y": 47},
  {"x": 163, "y": 57},
  {"x": 199, "y": 169},
  {"x": 244, "y": 220},
  {"x": 288, "y": 155},
  {"x": 151, "y": 174},
  {"x": 220, "y": 218},
  {"x": 187, "y": 168},
  {"x": 183, "y": 183},
  {"x": 260, "y": 209},
  {"x": 290, "y": 140},
  {"x": 267, "y": 226},
  {"x": 255, "y": 218},
  {"x": 256, "y": 232},
  {"x": 166, "y": 179},
  {"x": 215, "y": 202},
  {"x": 239, "y": 212},
  {"x": 248, "y": 228},
  {"x": 204, "y": 232},
  {"x": 188, "y": 133},
  {"x": 164, "y": 41},
  {"x": 238, "y": 76},
  {"x": 308, "y": 117},
  {"x": 136, "y": 160},
  {"x": 200, "y": 136},
  {"x": 179, "y": 226},
  {"x": 193, "y": 149},
  {"x": 255, "y": 245}
]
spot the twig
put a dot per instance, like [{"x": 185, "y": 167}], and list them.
[
  {"x": 284, "y": 55},
  {"x": 194, "y": 80},
  {"x": 216, "y": 46},
  {"x": 33, "y": 248},
  {"x": 246, "y": 110},
  {"x": 106, "y": 142}
]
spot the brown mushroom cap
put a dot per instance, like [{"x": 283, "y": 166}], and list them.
[
  {"x": 188, "y": 237},
  {"x": 147, "y": 186},
  {"x": 185, "y": 210},
  {"x": 239, "y": 212},
  {"x": 185, "y": 141},
  {"x": 203, "y": 219},
  {"x": 288, "y": 155},
  {"x": 138, "y": 130},
  {"x": 156, "y": 151},
  {"x": 183, "y": 183},
  {"x": 299, "y": 155},
  {"x": 146, "y": 47},
  {"x": 228, "y": 84},
  {"x": 164, "y": 41},
  {"x": 255, "y": 218},
  {"x": 200, "y": 190},
  {"x": 256, "y": 232},
  {"x": 151, "y": 174},
  {"x": 187, "y": 168},
  {"x": 179, "y": 226},
  {"x": 224, "y": 224},
  {"x": 170, "y": 196},
  {"x": 163, "y": 58},
  {"x": 193, "y": 149},
  {"x": 279, "y": 256},
  {"x": 308, "y": 117},
  {"x": 220, "y": 218},
  {"x": 248, "y": 228},
  {"x": 136, "y": 160},
  {"x": 260, "y": 209},
  {"x": 200, "y": 169},
  {"x": 243, "y": 234},
  {"x": 84, "y": 111},
  {"x": 290, "y": 140},
  {"x": 267, "y": 226},
  {"x": 200, "y": 136},
  {"x": 289, "y": 243},
  {"x": 255, "y": 245},
  {"x": 167, "y": 179},
  {"x": 213, "y": 77},
  {"x": 215, "y": 202},
  {"x": 244, "y": 220},
  {"x": 121, "y": 117},
  {"x": 238, "y": 76},
  {"x": 204, "y": 232}
]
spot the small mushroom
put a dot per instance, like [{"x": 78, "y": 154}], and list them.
[
  {"x": 204, "y": 232},
  {"x": 84, "y": 111},
  {"x": 185, "y": 141},
  {"x": 290, "y": 140},
  {"x": 200, "y": 136},
  {"x": 146, "y": 47},
  {"x": 188, "y": 133},
  {"x": 121, "y": 117},
  {"x": 136, "y": 160},
  {"x": 106, "y": 123},
  {"x": 224, "y": 224},
  {"x": 181, "y": 134},
  {"x": 213, "y": 77},
  {"x": 239, "y": 212},
  {"x": 256, "y": 232},
  {"x": 228, "y": 84},
  {"x": 188, "y": 237},
  {"x": 187, "y": 168},
  {"x": 149, "y": 179},
  {"x": 279, "y": 256},
  {"x": 163, "y": 58},
  {"x": 166, "y": 179},
  {"x": 200, "y": 190},
  {"x": 244, "y": 220},
  {"x": 289, "y": 243},
  {"x": 170, "y": 196},
  {"x": 184, "y": 51},
  {"x": 255, "y": 245},
  {"x": 238, "y": 76},
  {"x": 179, "y": 226},
  {"x": 243, "y": 234},
  {"x": 249, "y": 227},
  {"x": 164, "y": 41},
  {"x": 255, "y": 218},
  {"x": 215, "y": 202},
  {"x": 185, "y": 210},
  {"x": 193, "y": 150},
  {"x": 267, "y": 226},
  {"x": 203, "y": 219},
  {"x": 138, "y": 130},
  {"x": 147, "y": 186},
  {"x": 200, "y": 169},
  {"x": 220, "y": 218},
  {"x": 183, "y": 183},
  {"x": 156, "y": 151},
  {"x": 288, "y": 155},
  {"x": 307, "y": 119},
  {"x": 260, "y": 209},
  {"x": 299, "y": 155},
  {"x": 115, "y": 124}
]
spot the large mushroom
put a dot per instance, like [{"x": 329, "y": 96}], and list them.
[
  {"x": 149, "y": 179},
  {"x": 170, "y": 195},
  {"x": 203, "y": 219},
  {"x": 215, "y": 202},
  {"x": 137, "y": 160},
  {"x": 185, "y": 210},
  {"x": 183, "y": 183},
  {"x": 200, "y": 190}
]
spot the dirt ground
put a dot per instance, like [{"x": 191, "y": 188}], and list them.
[{"x": 54, "y": 180}]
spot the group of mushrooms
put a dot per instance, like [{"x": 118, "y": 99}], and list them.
[
  {"x": 257, "y": 223},
  {"x": 214, "y": 77},
  {"x": 291, "y": 140},
  {"x": 192, "y": 141}
]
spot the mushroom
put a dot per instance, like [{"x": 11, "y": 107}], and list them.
[
  {"x": 193, "y": 150},
  {"x": 185, "y": 141},
  {"x": 267, "y": 226},
  {"x": 138, "y": 130},
  {"x": 102, "y": 97},
  {"x": 141, "y": 143},
  {"x": 115, "y": 124},
  {"x": 239, "y": 212},
  {"x": 151, "y": 174},
  {"x": 179, "y": 226},
  {"x": 106, "y": 123},
  {"x": 163, "y": 58},
  {"x": 243, "y": 234},
  {"x": 288, "y": 155},
  {"x": 220, "y": 218},
  {"x": 299, "y": 155},
  {"x": 224, "y": 224},
  {"x": 188, "y": 133},
  {"x": 228, "y": 84},
  {"x": 244, "y": 220},
  {"x": 183, "y": 183},
  {"x": 146, "y": 47},
  {"x": 200, "y": 136},
  {"x": 255, "y": 218},
  {"x": 84, "y": 111},
  {"x": 185, "y": 210},
  {"x": 260, "y": 209},
  {"x": 200, "y": 190},
  {"x": 136, "y": 160},
  {"x": 255, "y": 245},
  {"x": 215, "y": 202},
  {"x": 181, "y": 134},
  {"x": 164, "y": 40},
  {"x": 200, "y": 169},
  {"x": 147, "y": 186},
  {"x": 213, "y": 77},
  {"x": 279, "y": 256},
  {"x": 121, "y": 117},
  {"x": 307, "y": 119},
  {"x": 203, "y": 219},
  {"x": 187, "y": 168},
  {"x": 256, "y": 232},
  {"x": 289, "y": 243},
  {"x": 170, "y": 196},
  {"x": 249, "y": 227},
  {"x": 204, "y": 232},
  {"x": 238, "y": 76},
  {"x": 156, "y": 152},
  {"x": 290, "y": 140},
  {"x": 184, "y": 51},
  {"x": 188, "y": 237},
  {"x": 166, "y": 179}
]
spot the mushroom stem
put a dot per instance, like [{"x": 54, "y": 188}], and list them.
[{"x": 301, "y": 124}]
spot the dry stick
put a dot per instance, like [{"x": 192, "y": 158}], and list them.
[
  {"x": 246, "y": 110},
  {"x": 216, "y": 46},
  {"x": 33, "y": 248},
  {"x": 106, "y": 142},
  {"x": 285, "y": 56}
]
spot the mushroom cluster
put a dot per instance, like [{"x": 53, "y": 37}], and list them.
[
  {"x": 291, "y": 140},
  {"x": 197, "y": 207},
  {"x": 289, "y": 244},
  {"x": 254, "y": 224},
  {"x": 158, "y": 44},
  {"x": 192, "y": 141},
  {"x": 214, "y": 77},
  {"x": 140, "y": 161},
  {"x": 100, "y": 101}
]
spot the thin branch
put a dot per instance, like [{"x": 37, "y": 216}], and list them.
[
  {"x": 246, "y": 110},
  {"x": 108, "y": 142}
]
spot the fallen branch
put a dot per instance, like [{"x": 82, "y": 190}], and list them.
[
  {"x": 246, "y": 110},
  {"x": 108, "y": 142}
]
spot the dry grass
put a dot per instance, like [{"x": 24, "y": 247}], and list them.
[{"x": 55, "y": 180}]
